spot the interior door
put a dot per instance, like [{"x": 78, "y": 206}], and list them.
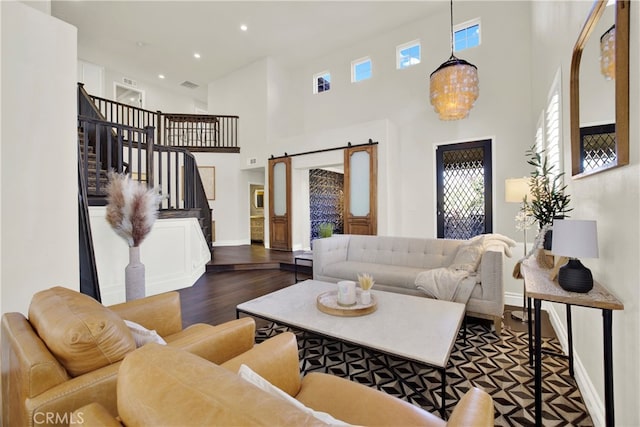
[
  {"x": 280, "y": 203},
  {"x": 361, "y": 190}
]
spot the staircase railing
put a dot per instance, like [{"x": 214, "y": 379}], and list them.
[
  {"x": 114, "y": 147},
  {"x": 106, "y": 146},
  {"x": 89, "y": 284},
  {"x": 196, "y": 132}
]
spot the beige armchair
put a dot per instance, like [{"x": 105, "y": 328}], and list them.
[
  {"x": 165, "y": 386},
  {"x": 68, "y": 352}
]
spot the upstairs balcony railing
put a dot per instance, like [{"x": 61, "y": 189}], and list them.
[{"x": 195, "y": 132}]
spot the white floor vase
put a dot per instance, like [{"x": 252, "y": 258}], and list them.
[{"x": 134, "y": 275}]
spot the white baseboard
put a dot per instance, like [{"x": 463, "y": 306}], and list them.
[{"x": 238, "y": 242}]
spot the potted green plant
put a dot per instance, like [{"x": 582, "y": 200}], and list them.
[
  {"x": 548, "y": 198},
  {"x": 325, "y": 229}
]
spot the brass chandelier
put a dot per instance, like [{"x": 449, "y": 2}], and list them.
[{"x": 454, "y": 86}]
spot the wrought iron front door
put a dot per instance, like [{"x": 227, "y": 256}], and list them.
[{"x": 464, "y": 189}]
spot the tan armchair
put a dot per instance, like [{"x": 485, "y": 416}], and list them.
[
  {"x": 40, "y": 388},
  {"x": 174, "y": 388}
]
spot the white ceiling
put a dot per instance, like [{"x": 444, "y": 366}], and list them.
[{"x": 145, "y": 38}]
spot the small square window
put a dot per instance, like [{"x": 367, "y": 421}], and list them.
[
  {"x": 321, "y": 82},
  {"x": 361, "y": 69},
  {"x": 408, "y": 54},
  {"x": 466, "y": 35}
]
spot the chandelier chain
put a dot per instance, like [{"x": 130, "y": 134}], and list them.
[{"x": 451, "y": 27}]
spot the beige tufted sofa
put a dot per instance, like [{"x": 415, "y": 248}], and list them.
[
  {"x": 67, "y": 353},
  {"x": 395, "y": 262},
  {"x": 174, "y": 388}
]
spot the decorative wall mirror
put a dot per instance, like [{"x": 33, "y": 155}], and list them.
[{"x": 600, "y": 95}]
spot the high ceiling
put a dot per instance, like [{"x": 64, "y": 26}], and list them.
[{"x": 146, "y": 38}]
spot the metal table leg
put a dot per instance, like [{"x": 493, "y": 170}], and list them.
[
  {"x": 570, "y": 338},
  {"x": 607, "y": 323},
  {"x": 529, "y": 327},
  {"x": 538, "y": 359},
  {"x": 443, "y": 409}
]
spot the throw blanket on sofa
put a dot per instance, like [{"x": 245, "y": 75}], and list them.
[
  {"x": 456, "y": 282},
  {"x": 446, "y": 284}
]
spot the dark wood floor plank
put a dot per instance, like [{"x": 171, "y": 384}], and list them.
[{"x": 213, "y": 298}]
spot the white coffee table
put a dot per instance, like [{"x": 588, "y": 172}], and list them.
[{"x": 417, "y": 329}]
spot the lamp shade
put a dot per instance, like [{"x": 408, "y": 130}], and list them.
[
  {"x": 515, "y": 190},
  {"x": 575, "y": 238}
]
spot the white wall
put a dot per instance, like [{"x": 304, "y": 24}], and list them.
[
  {"x": 244, "y": 94},
  {"x": 156, "y": 97},
  {"x": 174, "y": 253},
  {"x": 231, "y": 209},
  {"x": 611, "y": 198},
  {"x": 393, "y": 108},
  {"x": 38, "y": 145}
]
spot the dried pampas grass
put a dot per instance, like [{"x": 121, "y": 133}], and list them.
[{"x": 132, "y": 208}]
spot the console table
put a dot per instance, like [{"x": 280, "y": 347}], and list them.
[{"x": 540, "y": 287}]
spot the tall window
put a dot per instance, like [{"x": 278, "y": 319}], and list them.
[
  {"x": 322, "y": 82},
  {"x": 361, "y": 69},
  {"x": 464, "y": 189},
  {"x": 466, "y": 35},
  {"x": 548, "y": 131},
  {"x": 408, "y": 54}
]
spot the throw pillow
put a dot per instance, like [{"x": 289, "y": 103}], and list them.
[
  {"x": 467, "y": 258},
  {"x": 254, "y": 378},
  {"x": 142, "y": 335},
  {"x": 81, "y": 333}
]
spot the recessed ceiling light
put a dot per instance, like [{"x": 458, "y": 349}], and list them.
[
  {"x": 196, "y": 55},
  {"x": 243, "y": 27},
  {"x": 161, "y": 76}
]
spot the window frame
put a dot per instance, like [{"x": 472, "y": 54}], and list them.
[
  {"x": 357, "y": 62},
  {"x": 486, "y": 144},
  {"x": 405, "y": 46},
  {"x": 551, "y": 118},
  {"x": 316, "y": 77},
  {"x": 464, "y": 26}
]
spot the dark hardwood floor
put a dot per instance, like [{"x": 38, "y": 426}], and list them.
[{"x": 213, "y": 298}]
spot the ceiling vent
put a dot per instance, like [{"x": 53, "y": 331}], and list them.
[
  {"x": 130, "y": 82},
  {"x": 189, "y": 84}
]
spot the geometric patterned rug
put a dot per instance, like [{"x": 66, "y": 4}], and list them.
[{"x": 498, "y": 365}]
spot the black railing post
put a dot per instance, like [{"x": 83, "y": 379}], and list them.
[
  {"x": 150, "y": 151},
  {"x": 159, "y": 128}
]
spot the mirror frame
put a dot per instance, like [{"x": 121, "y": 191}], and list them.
[{"x": 621, "y": 87}]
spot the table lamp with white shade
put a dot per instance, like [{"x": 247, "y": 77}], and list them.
[
  {"x": 575, "y": 239},
  {"x": 517, "y": 190}
]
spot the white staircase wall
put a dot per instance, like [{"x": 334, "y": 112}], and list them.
[{"x": 175, "y": 255}]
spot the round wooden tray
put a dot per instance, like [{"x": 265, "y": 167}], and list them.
[{"x": 327, "y": 302}]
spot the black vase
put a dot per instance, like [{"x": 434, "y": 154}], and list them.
[{"x": 575, "y": 277}]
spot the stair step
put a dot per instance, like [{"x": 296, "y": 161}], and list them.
[{"x": 179, "y": 213}]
